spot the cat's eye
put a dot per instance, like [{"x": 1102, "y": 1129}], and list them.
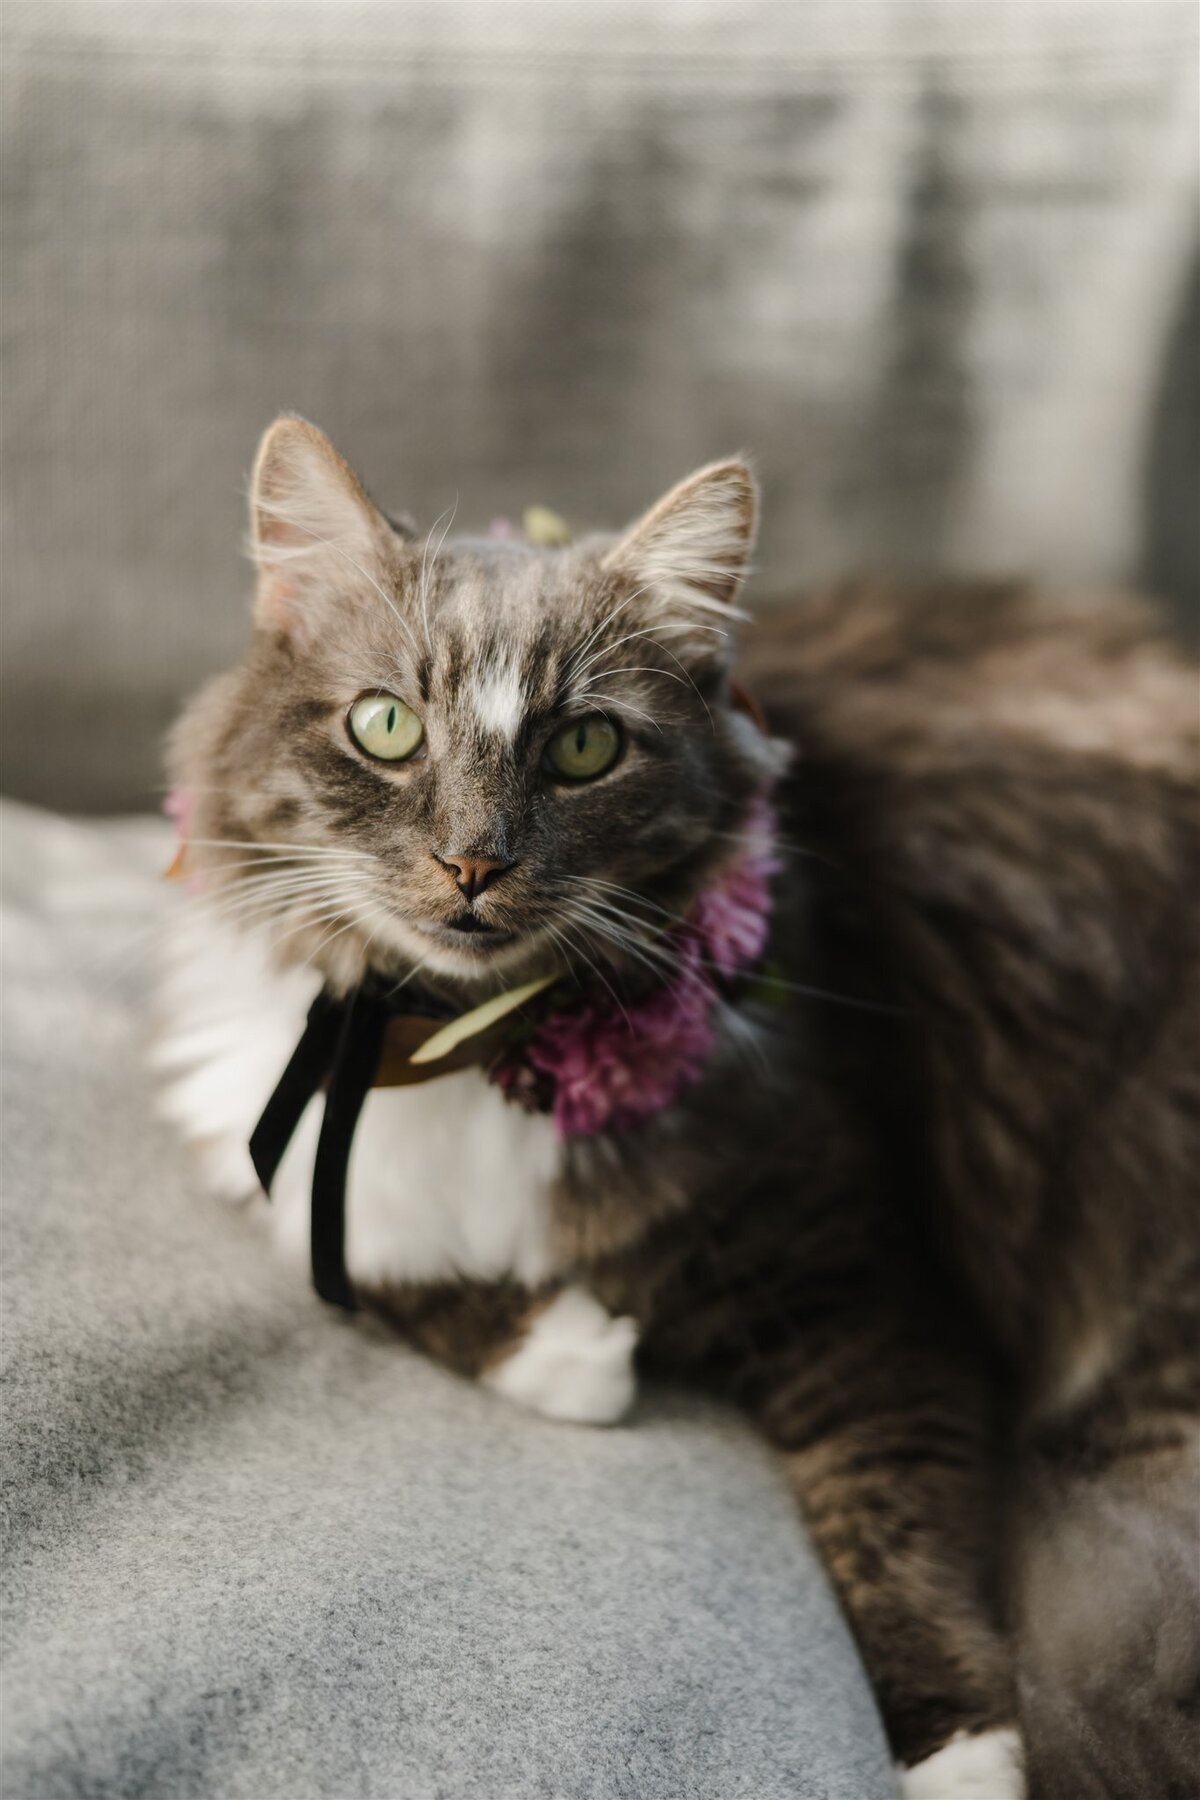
[
  {"x": 582, "y": 750},
  {"x": 384, "y": 727}
]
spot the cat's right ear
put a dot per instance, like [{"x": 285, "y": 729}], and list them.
[
  {"x": 314, "y": 531},
  {"x": 689, "y": 554}
]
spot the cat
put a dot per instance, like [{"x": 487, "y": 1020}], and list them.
[{"x": 910, "y": 1178}]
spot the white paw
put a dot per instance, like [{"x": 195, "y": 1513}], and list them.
[
  {"x": 576, "y": 1363},
  {"x": 989, "y": 1766}
]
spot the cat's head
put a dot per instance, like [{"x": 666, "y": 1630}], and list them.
[{"x": 477, "y": 756}]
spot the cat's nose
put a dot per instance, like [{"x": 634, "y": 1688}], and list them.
[{"x": 472, "y": 874}]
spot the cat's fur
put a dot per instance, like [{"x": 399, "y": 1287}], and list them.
[{"x": 932, "y": 1220}]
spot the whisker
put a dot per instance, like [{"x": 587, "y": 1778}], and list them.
[
  {"x": 248, "y": 905},
  {"x": 630, "y": 893},
  {"x": 605, "y": 622},
  {"x": 646, "y": 631},
  {"x": 744, "y": 1036},
  {"x": 623, "y": 706},
  {"x": 423, "y": 585},
  {"x": 328, "y": 850},
  {"x": 654, "y": 956},
  {"x": 614, "y": 907},
  {"x": 883, "y": 1007},
  {"x": 806, "y": 990},
  {"x": 251, "y": 892},
  {"x": 563, "y": 947},
  {"x": 405, "y": 979},
  {"x": 787, "y": 845},
  {"x": 358, "y": 918},
  {"x": 270, "y": 910},
  {"x": 258, "y": 876},
  {"x": 690, "y": 678},
  {"x": 639, "y": 669},
  {"x": 332, "y": 915},
  {"x": 600, "y": 976},
  {"x": 251, "y": 896},
  {"x": 254, "y": 870}
]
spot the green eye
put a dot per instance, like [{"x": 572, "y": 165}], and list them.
[
  {"x": 384, "y": 727},
  {"x": 582, "y": 750}
]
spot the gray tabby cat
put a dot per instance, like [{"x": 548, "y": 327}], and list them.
[{"x": 916, "y": 1190}]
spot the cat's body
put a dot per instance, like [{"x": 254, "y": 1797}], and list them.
[{"x": 928, "y": 1212}]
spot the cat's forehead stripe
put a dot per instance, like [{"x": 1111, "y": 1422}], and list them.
[{"x": 496, "y": 693}]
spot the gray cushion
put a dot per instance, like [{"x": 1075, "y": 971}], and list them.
[
  {"x": 926, "y": 260},
  {"x": 255, "y": 1550}
]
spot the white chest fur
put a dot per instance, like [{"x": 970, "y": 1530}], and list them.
[{"x": 446, "y": 1179}]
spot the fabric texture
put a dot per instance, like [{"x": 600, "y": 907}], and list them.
[
  {"x": 256, "y": 1551},
  {"x": 928, "y": 261}
]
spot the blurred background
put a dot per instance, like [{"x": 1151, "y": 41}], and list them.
[{"x": 934, "y": 264}]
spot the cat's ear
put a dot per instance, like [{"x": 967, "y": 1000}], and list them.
[
  {"x": 314, "y": 531},
  {"x": 690, "y": 552}
]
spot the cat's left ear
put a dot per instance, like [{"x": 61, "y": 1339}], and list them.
[
  {"x": 690, "y": 553},
  {"x": 315, "y": 533}
]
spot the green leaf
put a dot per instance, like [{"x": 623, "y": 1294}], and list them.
[{"x": 470, "y": 1024}]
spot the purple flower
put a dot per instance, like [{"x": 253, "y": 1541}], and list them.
[
  {"x": 601, "y": 1066},
  {"x": 732, "y": 918},
  {"x": 613, "y": 1066},
  {"x": 180, "y": 808}
]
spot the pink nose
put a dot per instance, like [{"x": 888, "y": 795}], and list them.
[{"x": 472, "y": 874}]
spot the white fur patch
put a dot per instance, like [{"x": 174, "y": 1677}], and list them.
[
  {"x": 231, "y": 1022},
  {"x": 497, "y": 694},
  {"x": 989, "y": 1766},
  {"x": 446, "y": 1179},
  {"x": 576, "y": 1363}
]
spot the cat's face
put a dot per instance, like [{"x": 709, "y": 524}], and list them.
[{"x": 477, "y": 758}]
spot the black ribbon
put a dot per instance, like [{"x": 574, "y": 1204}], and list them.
[{"x": 340, "y": 1045}]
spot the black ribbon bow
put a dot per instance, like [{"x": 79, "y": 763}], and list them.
[{"x": 341, "y": 1046}]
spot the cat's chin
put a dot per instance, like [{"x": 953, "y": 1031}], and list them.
[
  {"x": 470, "y": 937},
  {"x": 480, "y": 960}
]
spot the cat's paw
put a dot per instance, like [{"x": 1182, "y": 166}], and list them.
[
  {"x": 988, "y": 1766},
  {"x": 576, "y": 1363}
]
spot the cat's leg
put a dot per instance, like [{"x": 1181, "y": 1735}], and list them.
[
  {"x": 885, "y": 1442},
  {"x": 556, "y": 1351}
]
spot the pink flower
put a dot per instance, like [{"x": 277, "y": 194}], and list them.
[
  {"x": 180, "y": 808},
  {"x": 732, "y": 917},
  {"x": 611, "y": 1066},
  {"x": 601, "y": 1066}
]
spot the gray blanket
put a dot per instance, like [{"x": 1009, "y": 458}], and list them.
[{"x": 254, "y": 1550}]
